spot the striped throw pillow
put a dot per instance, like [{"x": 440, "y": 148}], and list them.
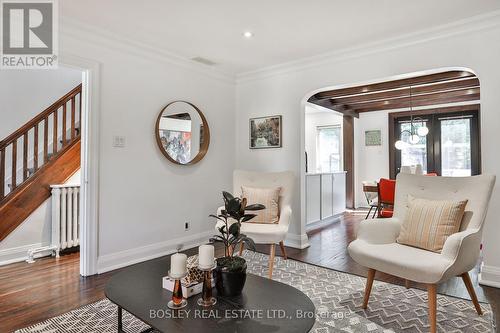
[
  {"x": 429, "y": 223},
  {"x": 268, "y": 197}
]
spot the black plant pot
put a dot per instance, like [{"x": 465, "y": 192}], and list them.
[{"x": 229, "y": 284}]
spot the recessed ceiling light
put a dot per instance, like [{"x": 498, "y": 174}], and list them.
[{"x": 248, "y": 34}]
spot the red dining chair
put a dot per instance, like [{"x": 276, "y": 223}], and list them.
[{"x": 386, "y": 191}]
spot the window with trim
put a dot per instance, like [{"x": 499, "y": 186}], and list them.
[
  {"x": 451, "y": 148},
  {"x": 329, "y": 148}
]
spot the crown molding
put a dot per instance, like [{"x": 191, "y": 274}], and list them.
[
  {"x": 74, "y": 29},
  {"x": 469, "y": 25}
]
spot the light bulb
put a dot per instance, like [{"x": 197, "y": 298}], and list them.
[
  {"x": 414, "y": 139},
  {"x": 423, "y": 131},
  {"x": 400, "y": 145}
]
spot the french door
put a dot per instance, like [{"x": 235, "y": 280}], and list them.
[{"x": 451, "y": 148}]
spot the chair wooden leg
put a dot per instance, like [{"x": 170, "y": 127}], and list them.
[
  {"x": 271, "y": 260},
  {"x": 407, "y": 284},
  {"x": 283, "y": 251},
  {"x": 242, "y": 247},
  {"x": 432, "y": 299},
  {"x": 368, "y": 287},
  {"x": 375, "y": 212},
  {"x": 472, "y": 293}
]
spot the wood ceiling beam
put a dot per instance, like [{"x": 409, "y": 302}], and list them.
[
  {"x": 341, "y": 108},
  {"x": 455, "y": 96},
  {"x": 425, "y": 79},
  {"x": 405, "y": 92}
]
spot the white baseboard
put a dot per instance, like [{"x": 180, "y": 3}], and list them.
[
  {"x": 297, "y": 241},
  {"x": 489, "y": 276},
  {"x": 18, "y": 254},
  {"x": 112, "y": 261}
]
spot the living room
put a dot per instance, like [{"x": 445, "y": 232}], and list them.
[{"x": 247, "y": 73}]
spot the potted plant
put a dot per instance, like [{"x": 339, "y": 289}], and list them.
[{"x": 230, "y": 272}]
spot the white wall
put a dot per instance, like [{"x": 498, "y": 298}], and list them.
[
  {"x": 312, "y": 121},
  {"x": 372, "y": 162},
  {"x": 144, "y": 199},
  {"x": 282, "y": 89},
  {"x": 26, "y": 93}
]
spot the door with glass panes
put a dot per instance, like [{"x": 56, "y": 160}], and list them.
[{"x": 451, "y": 148}]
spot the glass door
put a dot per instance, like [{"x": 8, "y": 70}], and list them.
[
  {"x": 451, "y": 148},
  {"x": 458, "y": 145},
  {"x": 414, "y": 154}
]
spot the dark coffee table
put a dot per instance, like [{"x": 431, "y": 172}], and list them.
[{"x": 265, "y": 305}]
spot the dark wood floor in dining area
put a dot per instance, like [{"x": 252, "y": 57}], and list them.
[{"x": 30, "y": 293}]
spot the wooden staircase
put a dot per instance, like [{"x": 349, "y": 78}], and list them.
[{"x": 44, "y": 151}]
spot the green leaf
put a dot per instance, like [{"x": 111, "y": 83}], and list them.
[
  {"x": 249, "y": 242},
  {"x": 248, "y": 217},
  {"x": 234, "y": 229},
  {"x": 227, "y": 196},
  {"x": 233, "y": 206},
  {"x": 222, "y": 229},
  {"x": 255, "y": 207}
]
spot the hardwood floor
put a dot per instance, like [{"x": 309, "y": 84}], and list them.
[{"x": 30, "y": 293}]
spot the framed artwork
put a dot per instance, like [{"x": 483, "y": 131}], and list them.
[
  {"x": 265, "y": 132},
  {"x": 373, "y": 138}
]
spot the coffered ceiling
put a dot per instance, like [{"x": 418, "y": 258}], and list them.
[{"x": 283, "y": 30}]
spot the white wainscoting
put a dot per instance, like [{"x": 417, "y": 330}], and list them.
[{"x": 325, "y": 196}]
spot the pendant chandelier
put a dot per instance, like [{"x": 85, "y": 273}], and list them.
[{"x": 414, "y": 133}]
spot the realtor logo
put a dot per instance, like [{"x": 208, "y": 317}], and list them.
[{"x": 29, "y": 34}]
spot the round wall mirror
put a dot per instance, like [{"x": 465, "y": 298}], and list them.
[{"x": 182, "y": 133}]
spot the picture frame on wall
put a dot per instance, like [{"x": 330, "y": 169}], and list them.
[
  {"x": 373, "y": 138},
  {"x": 265, "y": 132}
]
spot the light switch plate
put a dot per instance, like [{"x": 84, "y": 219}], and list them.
[{"x": 118, "y": 141}]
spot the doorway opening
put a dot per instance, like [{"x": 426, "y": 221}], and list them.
[{"x": 40, "y": 166}]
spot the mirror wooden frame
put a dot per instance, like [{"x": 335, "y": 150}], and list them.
[{"x": 206, "y": 142}]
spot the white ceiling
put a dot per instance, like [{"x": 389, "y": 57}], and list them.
[{"x": 284, "y": 30}]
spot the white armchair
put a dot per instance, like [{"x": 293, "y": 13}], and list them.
[
  {"x": 271, "y": 234},
  {"x": 377, "y": 249}
]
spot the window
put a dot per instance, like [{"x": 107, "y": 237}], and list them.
[
  {"x": 416, "y": 153},
  {"x": 329, "y": 143},
  {"x": 451, "y": 148}
]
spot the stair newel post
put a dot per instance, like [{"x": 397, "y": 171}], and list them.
[
  {"x": 25, "y": 156},
  {"x": 35, "y": 148},
  {"x": 56, "y": 220}
]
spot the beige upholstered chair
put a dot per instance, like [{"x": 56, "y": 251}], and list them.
[
  {"x": 376, "y": 247},
  {"x": 271, "y": 234}
]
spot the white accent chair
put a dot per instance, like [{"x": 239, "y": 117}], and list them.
[
  {"x": 376, "y": 247},
  {"x": 261, "y": 233}
]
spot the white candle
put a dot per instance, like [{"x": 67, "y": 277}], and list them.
[
  {"x": 206, "y": 256},
  {"x": 178, "y": 264}
]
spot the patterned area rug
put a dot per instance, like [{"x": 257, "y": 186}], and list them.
[{"x": 337, "y": 296}]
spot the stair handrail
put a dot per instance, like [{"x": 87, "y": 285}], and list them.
[
  {"x": 34, "y": 124},
  {"x": 40, "y": 117}
]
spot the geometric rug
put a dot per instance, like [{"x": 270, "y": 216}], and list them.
[{"x": 337, "y": 297}]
